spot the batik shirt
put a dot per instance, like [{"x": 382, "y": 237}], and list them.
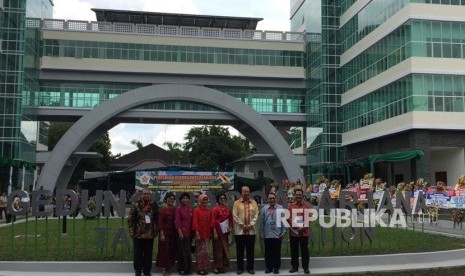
[
  {"x": 299, "y": 218},
  {"x": 142, "y": 220},
  {"x": 245, "y": 212},
  {"x": 270, "y": 228}
]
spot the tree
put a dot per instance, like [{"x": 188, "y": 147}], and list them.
[
  {"x": 102, "y": 146},
  {"x": 56, "y": 131},
  {"x": 137, "y": 143},
  {"x": 213, "y": 147},
  {"x": 175, "y": 148}
]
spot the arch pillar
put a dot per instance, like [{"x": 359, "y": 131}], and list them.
[{"x": 83, "y": 133}]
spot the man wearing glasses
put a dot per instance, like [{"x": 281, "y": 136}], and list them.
[{"x": 272, "y": 233}]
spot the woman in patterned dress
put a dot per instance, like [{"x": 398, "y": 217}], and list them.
[
  {"x": 166, "y": 256},
  {"x": 201, "y": 224},
  {"x": 221, "y": 216}
]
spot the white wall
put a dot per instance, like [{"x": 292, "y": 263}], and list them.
[{"x": 450, "y": 160}]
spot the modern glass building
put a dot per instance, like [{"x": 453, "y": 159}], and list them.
[
  {"x": 385, "y": 77},
  {"x": 71, "y": 67},
  {"x": 357, "y": 84},
  {"x": 19, "y": 75}
]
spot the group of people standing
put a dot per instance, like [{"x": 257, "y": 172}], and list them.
[{"x": 183, "y": 230}]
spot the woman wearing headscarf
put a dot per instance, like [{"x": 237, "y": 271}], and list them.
[
  {"x": 201, "y": 224},
  {"x": 222, "y": 225},
  {"x": 166, "y": 256}
]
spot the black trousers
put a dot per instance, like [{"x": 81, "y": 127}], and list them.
[
  {"x": 247, "y": 243},
  {"x": 301, "y": 242},
  {"x": 143, "y": 250},
  {"x": 2, "y": 211},
  {"x": 273, "y": 254}
]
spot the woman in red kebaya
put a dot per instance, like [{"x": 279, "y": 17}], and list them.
[
  {"x": 201, "y": 224},
  {"x": 166, "y": 256},
  {"x": 222, "y": 225},
  {"x": 183, "y": 223}
]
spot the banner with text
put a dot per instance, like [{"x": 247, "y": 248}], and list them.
[{"x": 184, "y": 181}]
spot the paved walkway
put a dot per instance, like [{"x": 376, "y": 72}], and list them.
[{"x": 340, "y": 265}]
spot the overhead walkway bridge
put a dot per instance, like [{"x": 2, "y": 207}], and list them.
[{"x": 100, "y": 74}]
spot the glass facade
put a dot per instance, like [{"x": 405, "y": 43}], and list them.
[
  {"x": 19, "y": 65},
  {"x": 368, "y": 19},
  {"x": 326, "y": 80},
  {"x": 170, "y": 53},
  {"x": 21, "y": 49},
  {"x": 39, "y": 9},
  {"x": 78, "y": 94},
  {"x": 11, "y": 76},
  {"x": 307, "y": 18},
  {"x": 416, "y": 92},
  {"x": 416, "y": 38},
  {"x": 86, "y": 95},
  {"x": 323, "y": 85},
  {"x": 388, "y": 52},
  {"x": 375, "y": 14},
  {"x": 268, "y": 100}
]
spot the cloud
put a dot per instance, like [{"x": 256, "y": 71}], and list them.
[
  {"x": 275, "y": 13},
  {"x": 73, "y": 9},
  {"x": 122, "y": 135},
  {"x": 172, "y": 133},
  {"x": 173, "y": 6}
]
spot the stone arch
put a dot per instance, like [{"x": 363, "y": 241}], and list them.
[{"x": 77, "y": 138}]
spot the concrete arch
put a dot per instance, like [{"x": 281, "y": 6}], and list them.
[{"x": 54, "y": 174}]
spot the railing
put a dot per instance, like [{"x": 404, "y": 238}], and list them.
[{"x": 165, "y": 30}]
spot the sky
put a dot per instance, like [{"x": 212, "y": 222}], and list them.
[{"x": 275, "y": 14}]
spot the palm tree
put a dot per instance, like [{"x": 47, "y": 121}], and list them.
[
  {"x": 174, "y": 148},
  {"x": 137, "y": 143}
]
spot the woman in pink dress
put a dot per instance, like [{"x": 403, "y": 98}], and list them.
[{"x": 183, "y": 223}]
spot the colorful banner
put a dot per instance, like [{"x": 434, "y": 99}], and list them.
[
  {"x": 457, "y": 202},
  {"x": 439, "y": 200},
  {"x": 184, "y": 181},
  {"x": 445, "y": 198}
]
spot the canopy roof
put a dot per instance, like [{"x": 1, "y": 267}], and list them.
[
  {"x": 176, "y": 19},
  {"x": 398, "y": 157}
]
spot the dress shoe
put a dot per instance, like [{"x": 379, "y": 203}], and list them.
[
  {"x": 307, "y": 271},
  {"x": 268, "y": 270},
  {"x": 276, "y": 271},
  {"x": 293, "y": 270},
  {"x": 251, "y": 271},
  {"x": 239, "y": 271}
]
